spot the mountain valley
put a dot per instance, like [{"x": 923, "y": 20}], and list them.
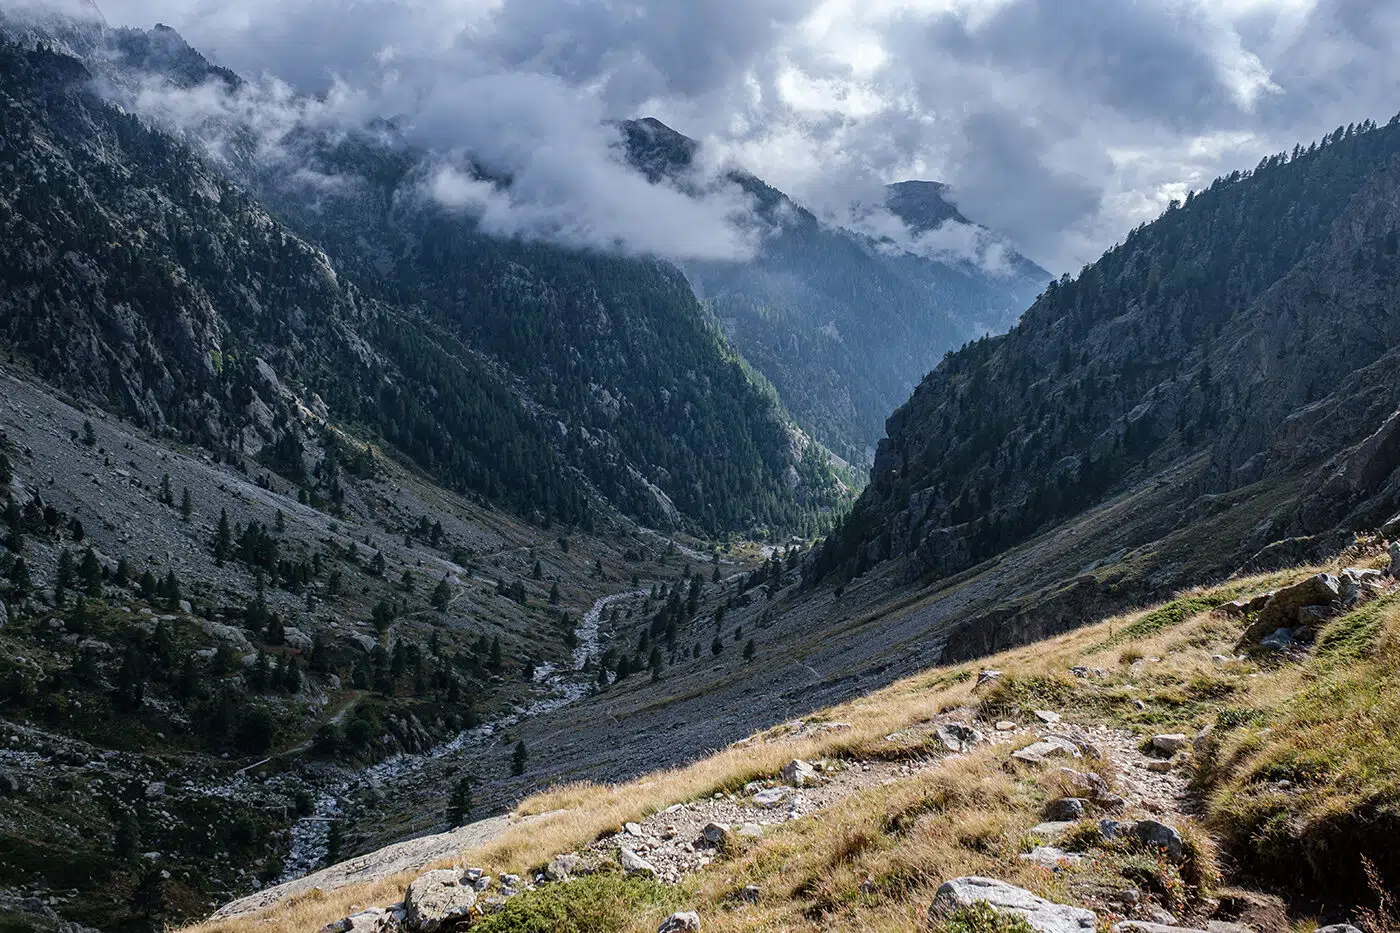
[{"x": 368, "y": 568}]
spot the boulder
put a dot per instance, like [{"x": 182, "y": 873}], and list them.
[
  {"x": 751, "y": 831},
  {"x": 957, "y": 737},
  {"x": 9, "y": 784},
  {"x": 1342, "y": 927},
  {"x": 681, "y": 922},
  {"x": 1149, "y": 832},
  {"x": 561, "y": 867},
  {"x": 799, "y": 773},
  {"x": 1141, "y": 926},
  {"x": 632, "y": 829},
  {"x": 1065, "y": 810},
  {"x": 1281, "y": 610},
  {"x": 1005, "y": 725},
  {"x": 296, "y": 639},
  {"x": 371, "y": 920},
  {"x": 1047, "y": 717},
  {"x": 1044, "y": 916},
  {"x": 634, "y": 864},
  {"x": 1278, "y": 640},
  {"x": 1049, "y": 747},
  {"x": 1168, "y": 744},
  {"x": 1394, "y": 569},
  {"x": 438, "y": 898},
  {"x": 715, "y": 833},
  {"x": 986, "y": 677}
]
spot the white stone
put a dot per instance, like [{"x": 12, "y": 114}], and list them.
[{"x": 1044, "y": 916}]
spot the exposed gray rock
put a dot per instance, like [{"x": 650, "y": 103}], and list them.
[
  {"x": 1281, "y": 611},
  {"x": 1394, "y": 569},
  {"x": 1278, "y": 640},
  {"x": 715, "y": 833},
  {"x": 561, "y": 867},
  {"x": 1141, "y": 926},
  {"x": 799, "y": 773},
  {"x": 1051, "y": 829},
  {"x": 1047, "y": 716},
  {"x": 1051, "y": 857},
  {"x": 1045, "y": 916},
  {"x": 681, "y": 922},
  {"x": 437, "y": 898},
  {"x": 751, "y": 893},
  {"x": 1066, "y": 809},
  {"x": 371, "y": 920},
  {"x": 1168, "y": 744},
  {"x": 1149, "y": 832},
  {"x": 751, "y": 831},
  {"x": 1049, "y": 747},
  {"x": 957, "y": 737},
  {"x": 986, "y": 677},
  {"x": 770, "y": 798},
  {"x": 634, "y": 864},
  {"x": 1344, "y": 927}
]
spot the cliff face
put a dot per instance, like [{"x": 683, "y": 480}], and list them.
[{"x": 1254, "y": 326}]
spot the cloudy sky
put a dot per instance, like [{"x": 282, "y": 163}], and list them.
[{"x": 1061, "y": 123}]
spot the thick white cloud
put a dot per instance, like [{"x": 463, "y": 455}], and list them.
[{"x": 1060, "y": 124}]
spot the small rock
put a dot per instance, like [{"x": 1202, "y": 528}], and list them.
[
  {"x": 1160, "y": 767},
  {"x": 681, "y": 922},
  {"x": 1065, "y": 810},
  {"x": 1139, "y": 705},
  {"x": 715, "y": 833},
  {"x": 751, "y": 830},
  {"x": 986, "y": 677},
  {"x": 154, "y": 790},
  {"x": 372, "y": 920},
  {"x": 1051, "y": 830},
  {"x": 1168, "y": 744},
  {"x": 632, "y": 829},
  {"x": 1051, "y": 857},
  {"x": 957, "y": 737},
  {"x": 1006, "y": 725},
  {"x": 770, "y": 798},
  {"x": 750, "y": 894},
  {"x": 1047, "y": 717},
  {"x": 1277, "y": 640},
  {"x": 634, "y": 864},
  {"x": 561, "y": 867},
  {"x": 1347, "y": 927},
  {"x": 1150, "y": 832},
  {"x": 436, "y": 899},
  {"x": 509, "y": 880},
  {"x": 1142, "y": 926},
  {"x": 799, "y": 773},
  {"x": 1050, "y": 747},
  {"x": 1044, "y": 916},
  {"x": 1079, "y": 671}
]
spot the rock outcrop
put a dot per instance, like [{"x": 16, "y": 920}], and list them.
[{"x": 1045, "y": 916}]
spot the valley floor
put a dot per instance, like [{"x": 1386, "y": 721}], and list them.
[{"x": 1242, "y": 788}]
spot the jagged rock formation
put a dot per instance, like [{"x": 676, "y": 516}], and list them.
[{"x": 1239, "y": 350}]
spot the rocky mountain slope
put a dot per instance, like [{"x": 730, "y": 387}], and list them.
[
  {"x": 845, "y": 324},
  {"x": 174, "y": 271},
  {"x": 1245, "y": 338}
]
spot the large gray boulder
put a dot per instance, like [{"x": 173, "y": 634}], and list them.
[
  {"x": 685, "y": 921},
  {"x": 1141, "y": 926},
  {"x": 438, "y": 898},
  {"x": 799, "y": 773},
  {"x": 1044, "y": 916},
  {"x": 1281, "y": 611}
]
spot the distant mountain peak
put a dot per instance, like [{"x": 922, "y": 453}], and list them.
[{"x": 922, "y": 205}]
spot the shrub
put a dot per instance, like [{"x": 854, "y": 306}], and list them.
[{"x": 595, "y": 904}]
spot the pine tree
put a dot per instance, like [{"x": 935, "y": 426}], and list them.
[
  {"x": 442, "y": 595},
  {"x": 496, "y": 660},
  {"x": 554, "y": 595},
  {"x": 63, "y": 575},
  {"x": 89, "y": 434},
  {"x": 223, "y": 539},
  {"x": 459, "y": 804},
  {"x": 538, "y": 571},
  {"x": 20, "y": 584},
  {"x": 90, "y": 573},
  {"x": 186, "y": 505},
  {"x": 172, "y": 590},
  {"x": 654, "y": 662},
  {"x": 517, "y": 759},
  {"x": 750, "y": 650},
  {"x": 716, "y": 646},
  {"x": 167, "y": 495},
  {"x": 406, "y": 581}
]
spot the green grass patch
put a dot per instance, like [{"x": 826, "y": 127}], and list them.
[
  {"x": 595, "y": 904},
  {"x": 1352, "y": 636},
  {"x": 1016, "y": 695},
  {"x": 1170, "y": 615}
]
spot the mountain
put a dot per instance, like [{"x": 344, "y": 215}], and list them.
[
  {"x": 844, "y": 324},
  {"x": 517, "y": 343},
  {"x": 1237, "y": 348}
]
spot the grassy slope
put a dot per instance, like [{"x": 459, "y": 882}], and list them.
[{"x": 1329, "y": 723}]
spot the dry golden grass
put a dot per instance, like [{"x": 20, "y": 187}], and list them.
[{"x": 872, "y": 861}]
